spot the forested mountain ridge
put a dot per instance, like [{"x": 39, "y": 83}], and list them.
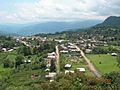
[
  {"x": 109, "y": 28},
  {"x": 112, "y": 21}
]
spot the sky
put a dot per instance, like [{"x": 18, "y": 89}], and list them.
[{"x": 25, "y": 11}]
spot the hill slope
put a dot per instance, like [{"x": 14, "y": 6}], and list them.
[{"x": 112, "y": 21}]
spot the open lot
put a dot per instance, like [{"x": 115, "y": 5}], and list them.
[
  {"x": 104, "y": 63},
  {"x": 76, "y": 62}
]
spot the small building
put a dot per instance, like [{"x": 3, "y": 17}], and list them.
[
  {"x": 88, "y": 51},
  {"x": 68, "y": 66},
  {"x": 81, "y": 69},
  {"x": 4, "y": 49},
  {"x": 69, "y": 71},
  {"x": 114, "y": 54},
  {"x": 10, "y": 50},
  {"x": 51, "y": 75},
  {"x": 47, "y": 70},
  {"x": 27, "y": 61},
  {"x": 51, "y": 55},
  {"x": 64, "y": 51},
  {"x": 48, "y": 65}
]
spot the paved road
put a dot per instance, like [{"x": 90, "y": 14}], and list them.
[
  {"x": 57, "y": 60},
  {"x": 90, "y": 65}
]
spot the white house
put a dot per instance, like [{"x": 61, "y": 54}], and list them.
[
  {"x": 114, "y": 54},
  {"x": 68, "y": 66},
  {"x": 88, "y": 51},
  {"x": 51, "y": 75},
  {"x": 64, "y": 51},
  {"x": 51, "y": 55},
  {"x": 81, "y": 69},
  {"x": 67, "y": 71}
]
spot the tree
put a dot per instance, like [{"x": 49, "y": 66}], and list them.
[
  {"x": 19, "y": 60},
  {"x": 8, "y": 63},
  {"x": 24, "y": 50},
  {"x": 52, "y": 67}
]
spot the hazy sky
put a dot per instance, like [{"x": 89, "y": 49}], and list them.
[{"x": 22, "y": 11}]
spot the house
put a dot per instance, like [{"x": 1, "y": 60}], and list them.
[
  {"x": 69, "y": 71},
  {"x": 10, "y": 50},
  {"x": 60, "y": 41},
  {"x": 47, "y": 70},
  {"x": 27, "y": 61},
  {"x": 71, "y": 47},
  {"x": 68, "y": 66},
  {"x": 48, "y": 65},
  {"x": 114, "y": 54},
  {"x": 64, "y": 51},
  {"x": 81, "y": 69},
  {"x": 51, "y": 75},
  {"x": 51, "y": 55},
  {"x": 88, "y": 51},
  {"x": 63, "y": 47},
  {"x": 51, "y": 80},
  {"x": 4, "y": 49}
]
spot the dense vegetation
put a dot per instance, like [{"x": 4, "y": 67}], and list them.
[{"x": 25, "y": 80}]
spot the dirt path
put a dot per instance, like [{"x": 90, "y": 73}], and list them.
[
  {"x": 57, "y": 60},
  {"x": 90, "y": 65}
]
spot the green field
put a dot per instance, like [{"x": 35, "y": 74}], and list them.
[
  {"x": 3, "y": 56},
  {"x": 10, "y": 55},
  {"x": 104, "y": 63}
]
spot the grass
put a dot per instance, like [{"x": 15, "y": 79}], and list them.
[
  {"x": 111, "y": 46},
  {"x": 4, "y": 71},
  {"x": 108, "y": 62},
  {"x": 3, "y": 56}
]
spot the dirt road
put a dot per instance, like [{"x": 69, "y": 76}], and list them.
[
  {"x": 57, "y": 60},
  {"x": 90, "y": 65}
]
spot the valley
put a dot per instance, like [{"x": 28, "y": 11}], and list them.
[{"x": 87, "y": 60}]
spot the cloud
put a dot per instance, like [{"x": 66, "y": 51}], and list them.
[{"x": 62, "y": 10}]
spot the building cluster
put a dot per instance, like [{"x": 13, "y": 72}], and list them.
[{"x": 87, "y": 45}]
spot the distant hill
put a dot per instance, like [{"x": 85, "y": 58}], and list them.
[
  {"x": 108, "y": 28},
  {"x": 47, "y": 27},
  {"x": 112, "y": 21}
]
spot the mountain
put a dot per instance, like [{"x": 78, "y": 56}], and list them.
[
  {"x": 112, "y": 21},
  {"x": 110, "y": 27},
  {"x": 47, "y": 27}
]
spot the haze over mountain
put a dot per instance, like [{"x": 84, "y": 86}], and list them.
[{"x": 47, "y": 27}]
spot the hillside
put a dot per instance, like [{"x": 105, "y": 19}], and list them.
[
  {"x": 112, "y": 21},
  {"x": 109, "y": 28}
]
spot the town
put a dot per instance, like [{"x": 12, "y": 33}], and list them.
[{"x": 62, "y": 56}]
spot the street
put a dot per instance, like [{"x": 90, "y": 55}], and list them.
[
  {"x": 57, "y": 60},
  {"x": 90, "y": 65}
]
